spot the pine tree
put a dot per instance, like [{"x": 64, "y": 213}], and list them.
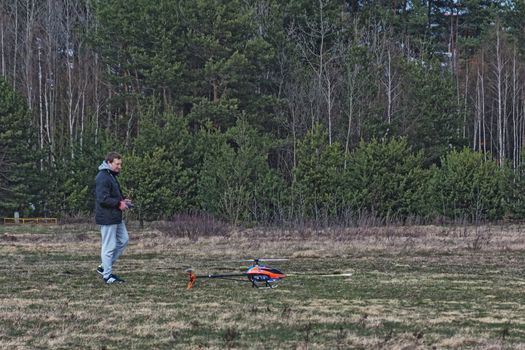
[
  {"x": 17, "y": 153},
  {"x": 317, "y": 186},
  {"x": 159, "y": 172},
  {"x": 236, "y": 182},
  {"x": 468, "y": 187},
  {"x": 386, "y": 179}
]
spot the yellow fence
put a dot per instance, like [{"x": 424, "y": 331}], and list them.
[{"x": 22, "y": 221}]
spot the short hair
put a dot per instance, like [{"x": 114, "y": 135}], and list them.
[{"x": 112, "y": 156}]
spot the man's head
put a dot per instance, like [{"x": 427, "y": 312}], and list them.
[{"x": 115, "y": 161}]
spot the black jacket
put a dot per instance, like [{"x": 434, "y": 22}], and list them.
[{"x": 108, "y": 196}]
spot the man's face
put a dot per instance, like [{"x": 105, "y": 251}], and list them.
[{"x": 115, "y": 165}]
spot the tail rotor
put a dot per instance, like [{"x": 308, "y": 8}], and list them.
[{"x": 192, "y": 278}]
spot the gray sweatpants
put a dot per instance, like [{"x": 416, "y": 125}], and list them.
[{"x": 114, "y": 241}]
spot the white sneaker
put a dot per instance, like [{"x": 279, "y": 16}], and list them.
[{"x": 113, "y": 279}]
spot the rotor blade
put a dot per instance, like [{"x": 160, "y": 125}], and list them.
[
  {"x": 263, "y": 259},
  {"x": 206, "y": 267},
  {"x": 222, "y": 275},
  {"x": 348, "y": 274},
  {"x": 336, "y": 275},
  {"x": 274, "y": 259},
  {"x": 215, "y": 271}
]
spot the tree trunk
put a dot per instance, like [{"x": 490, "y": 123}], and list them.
[
  {"x": 352, "y": 77},
  {"x": 15, "y": 49},
  {"x": 2, "y": 21},
  {"x": 482, "y": 104},
  {"x": 40, "y": 103},
  {"x": 30, "y": 13},
  {"x": 514, "y": 112},
  {"x": 499, "y": 98},
  {"x": 97, "y": 99},
  {"x": 389, "y": 89}
]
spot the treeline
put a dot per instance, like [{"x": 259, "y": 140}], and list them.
[{"x": 264, "y": 111}]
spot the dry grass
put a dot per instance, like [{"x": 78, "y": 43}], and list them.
[{"x": 411, "y": 288}]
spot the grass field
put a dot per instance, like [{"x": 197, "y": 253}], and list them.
[{"x": 411, "y": 288}]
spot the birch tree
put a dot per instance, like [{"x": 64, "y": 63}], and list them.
[{"x": 319, "y": 48}]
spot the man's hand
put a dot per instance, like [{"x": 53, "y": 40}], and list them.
[{"x": 122, "y": 205}]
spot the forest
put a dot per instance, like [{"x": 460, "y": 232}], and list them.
[{"x": 261, "y": 112}]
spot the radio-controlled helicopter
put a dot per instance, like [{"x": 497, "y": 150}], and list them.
[{"x": 260, "y": 276}]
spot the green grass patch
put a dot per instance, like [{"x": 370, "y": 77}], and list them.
[{"x": 51, "y": 296}]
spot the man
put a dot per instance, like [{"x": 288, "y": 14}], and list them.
[{"x": 110, "y": 203}]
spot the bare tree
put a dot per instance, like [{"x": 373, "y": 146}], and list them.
[
  {"x": 40, "y": 101},
  {"x": 3, "y": 21},
  {"x": 321, "y": 56},
  {"x": 351, "y": 82},
  {"x": 15, "y": 46},
  {"x": 389, "y": 81},
  {"x": 515, "y": 112},
  {"x": 30, "y": 20},
  {"x": 499, "y": 66}
]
